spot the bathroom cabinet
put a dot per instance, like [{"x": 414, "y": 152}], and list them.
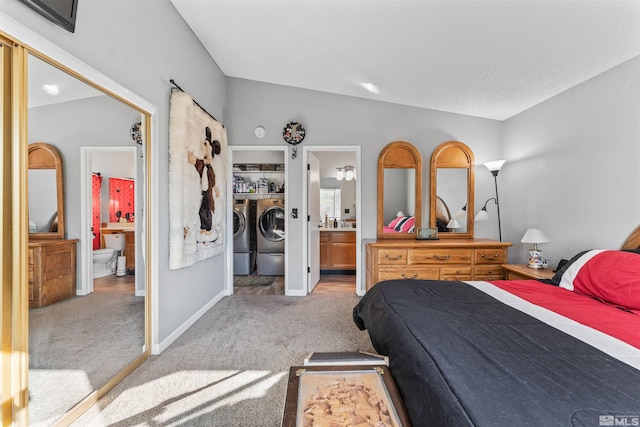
[
  {"x": 52, "y": 271},
  {"x": 338, "y": 249},
  {"x": 129, "y": 245}
]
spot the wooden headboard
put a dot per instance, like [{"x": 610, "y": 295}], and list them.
[{"x": 633, "y": 241}]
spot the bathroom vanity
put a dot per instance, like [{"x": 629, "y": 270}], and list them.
[
  {"x": 130, "y": 243},
  {"x": 337, "y": 248}
]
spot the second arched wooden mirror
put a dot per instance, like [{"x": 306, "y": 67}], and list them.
[
  {"x": 399, "y": 191},
  {"x": 452, "y": 190},
  {"x": 46, "y": 192}
]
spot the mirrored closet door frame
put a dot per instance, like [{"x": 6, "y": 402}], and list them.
[{"x": 16, "y": 44}]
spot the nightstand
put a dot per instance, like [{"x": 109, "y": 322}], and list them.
[{"x": 522, "y": 272}]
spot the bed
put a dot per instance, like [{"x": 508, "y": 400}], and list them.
[{"x": 564, "y": 352}]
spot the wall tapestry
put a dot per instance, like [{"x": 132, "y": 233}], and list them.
[{"x": 197, "y": 204}]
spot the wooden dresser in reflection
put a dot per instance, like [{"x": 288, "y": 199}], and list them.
[
  {"x": 52, "y": 271},
  {"x": 445, "y": 259}
]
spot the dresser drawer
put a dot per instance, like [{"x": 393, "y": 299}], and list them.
[
  {"x": 456, "y": 273},
  {"x": 489, "y": 256},
  {"x": 489, "y": 272},
  {"x": 417, "y": 274},
  {"x": 441, "y": 256},
  {"x": 392, "y": 256}
]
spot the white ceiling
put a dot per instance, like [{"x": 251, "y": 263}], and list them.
[
  {"x": 42, "y": 73},
  {"x": 485, "y": 58}
]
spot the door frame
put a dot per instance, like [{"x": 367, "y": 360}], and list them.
[
  {"x": 86, "y": 208},
  {"x": 229, "y": 246},
  {"x": 360, "y": 285}
]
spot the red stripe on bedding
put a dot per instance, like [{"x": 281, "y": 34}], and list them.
[{"x": 605, "y": 318}]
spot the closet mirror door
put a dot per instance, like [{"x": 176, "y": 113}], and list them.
[
  {"x": 452, "y": 188},
  {"x": 399, "y": 191},
  {"x": 78, "y": 345}
]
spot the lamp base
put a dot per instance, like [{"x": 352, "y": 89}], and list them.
[{"x": 535, "y": 259}]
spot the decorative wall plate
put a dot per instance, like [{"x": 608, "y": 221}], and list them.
[
  {"x": 136, "y": 133},
  {"x": 293, "y": 133}
]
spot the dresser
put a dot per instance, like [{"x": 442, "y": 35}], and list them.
[
  {"x": 52, "y": 271},
  {"x": 446, "y": 259}
]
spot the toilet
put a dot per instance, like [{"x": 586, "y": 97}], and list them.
[{"x": 104, "y": 260}]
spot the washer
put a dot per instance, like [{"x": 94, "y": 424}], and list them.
[
  {"x": 270, "y": 226},
  {"x": 241, "y": 226},
  {"x": 244, "y": 230},
  {"x": 270, "y": 235}
]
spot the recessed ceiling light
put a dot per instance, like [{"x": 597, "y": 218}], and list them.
[
  {"x": 370, "y": 87},
  {"x": 52, "y": 90}
]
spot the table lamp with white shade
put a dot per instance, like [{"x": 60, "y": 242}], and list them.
[{"x": 535, "y": 236}]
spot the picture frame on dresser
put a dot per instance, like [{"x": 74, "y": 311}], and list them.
[{"x": 426, "y": 233}]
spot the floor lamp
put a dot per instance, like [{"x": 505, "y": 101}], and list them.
[{"x": 494, "y": 167}]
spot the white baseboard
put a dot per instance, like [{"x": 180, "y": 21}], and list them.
[
  {"x": 159, "y": 348},
  {"x": 296, "y": 293}
]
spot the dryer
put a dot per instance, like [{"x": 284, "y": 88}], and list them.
[
  {"x": 241, "y": 226},
  {"x": 270, "y": 231},
  {"x": 270, "y": 236}
]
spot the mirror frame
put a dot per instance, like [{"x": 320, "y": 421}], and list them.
[
  {"x": 452, "y": 154},
  {"x": 45, "y": 156},
  {"x": 399, "y": 155}
]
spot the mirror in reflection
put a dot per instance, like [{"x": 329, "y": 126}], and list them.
[
  {"x": 79, "y": 342},
  {"x": 399, "y": 191},
  {"x": 452, "y": 196},
  {"x": 399, "y": 200},
  {"x": 452, "y": 188}
]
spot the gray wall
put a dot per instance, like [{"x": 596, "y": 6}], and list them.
[
  {"x": 142, "y": 45},
  {"x": 572, "y": 166},
  {"x": 340, "y": 120}
]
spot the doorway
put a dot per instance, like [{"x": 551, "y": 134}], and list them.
[
  {"x": 257, "y": 193},
  {"x": 332, "y": 247},
  {"x": 110, "y": 166}
]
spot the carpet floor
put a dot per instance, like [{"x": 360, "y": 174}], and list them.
[{"x": 230, "y": 368}]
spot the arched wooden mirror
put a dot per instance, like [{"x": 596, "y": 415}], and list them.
[
  {"x": 46, "y": 193},
  {"x": 452, "y": 190},
  {"x": 399, "y": 191}
]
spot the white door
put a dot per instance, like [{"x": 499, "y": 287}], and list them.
[{"x": 313, "y": 210}]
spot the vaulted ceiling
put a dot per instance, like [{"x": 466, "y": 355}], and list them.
[{"x": 485, "y": 58}]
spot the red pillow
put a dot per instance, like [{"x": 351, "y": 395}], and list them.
[
  {"x": 395, "y": 221},
  {"x": 407, "y": 226},
  {"x": 610, "y": 276}
]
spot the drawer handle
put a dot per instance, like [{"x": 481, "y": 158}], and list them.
[
  {"x": 391, "y": 258},
  {"x": 404, "y": 276},
  {"x": 444, "y": 258},
  {"x": 495, "y": 256}
]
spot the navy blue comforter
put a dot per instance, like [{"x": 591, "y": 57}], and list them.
[{"x": 461, "y": 358}]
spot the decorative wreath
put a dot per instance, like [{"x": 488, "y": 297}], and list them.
[{"x": 293, "y": 133}]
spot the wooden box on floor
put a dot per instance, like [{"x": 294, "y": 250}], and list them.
[{"x": 342, "y": 395}]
